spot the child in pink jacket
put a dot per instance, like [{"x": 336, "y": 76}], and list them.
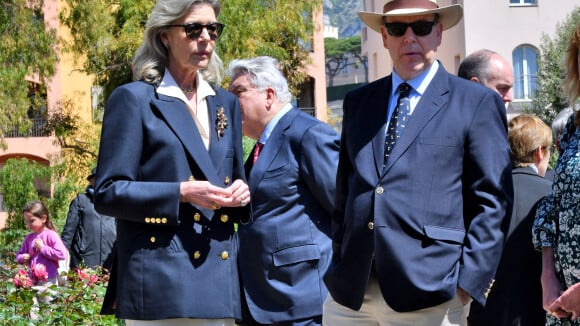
[{"x": 42, "y": 249}]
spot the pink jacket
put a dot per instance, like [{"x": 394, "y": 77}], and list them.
[{"x": 49, "y": 255}]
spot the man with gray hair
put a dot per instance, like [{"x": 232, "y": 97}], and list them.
[
  {"x": 491, "y": 70},
  {"x": 285, "y": 246},
  {"x": 558, "y": 126},
  {"x": 559, "y": 123}
]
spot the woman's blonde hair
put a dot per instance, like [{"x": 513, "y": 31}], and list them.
[
  {"x": 526, "y": 134},
  {"x": 571, "y": 84},
  {"x": 151, "y": 58}
]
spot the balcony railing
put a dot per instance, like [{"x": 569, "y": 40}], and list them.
[{"x": 38, "y": 130}]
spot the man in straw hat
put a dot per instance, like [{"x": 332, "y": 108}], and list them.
[{"x": 421, "y": 202}]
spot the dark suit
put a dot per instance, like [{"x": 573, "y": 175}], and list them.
[
  {"x": 431, "y": 217},
  {"x": 550, "y": 174},
  {"x": 88, "y": 236},
  {"x": 516, "y": 298},
  {"x": 285, "y": 248},
  {"x": 174, "y": 259}
]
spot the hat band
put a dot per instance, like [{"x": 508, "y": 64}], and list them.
[{"x": 406, "y": 4}]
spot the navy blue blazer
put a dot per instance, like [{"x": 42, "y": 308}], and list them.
[
  {"x": 285, "y": 248},
  {"x": 432, "y": 216},
  {"x": 174, "y": 259}
]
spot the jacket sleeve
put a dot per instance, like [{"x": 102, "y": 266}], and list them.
[
  {"x": 54, "y": 249},
  {"x": 487, "y": 195},
  {"x": 23, "y": 250},
  {"x": 319, "y": 158},
  {"x": 71, "y": 224}
]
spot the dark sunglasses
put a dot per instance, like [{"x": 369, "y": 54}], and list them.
[
  {"x": 194, "y": 30},
  {"x": 420, "y": 28}
]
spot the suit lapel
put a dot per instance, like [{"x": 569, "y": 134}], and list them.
[
  {"x": 270, "y": 150},
  {"x": 179, "y": 119},
  {"x": 249, "y": 164},
  {"x": 431, "y": 102},
  {"x": 217, "y": 146},
  {"x": 378, "y": 124}
]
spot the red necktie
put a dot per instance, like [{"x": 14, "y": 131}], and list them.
[{"x": 257, "y": 150}]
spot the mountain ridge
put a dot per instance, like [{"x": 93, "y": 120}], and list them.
[{"x": 343, "y": 14}]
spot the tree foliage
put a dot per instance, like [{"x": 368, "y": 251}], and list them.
[
  {"x": 548, "y": 99},
  {"x": 282, "y": 29},
  {"x": 106, "y": 34},
  {"x": 341, "y": 53},
  {"x": 78, "y": 139},
  {"x": 19, "y": 179},
  {"x": 27, "y": 51}
]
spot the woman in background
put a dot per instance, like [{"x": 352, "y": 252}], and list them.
[
  {"x": 516, "y": 298},
  {"x": 557, "y": 222}
]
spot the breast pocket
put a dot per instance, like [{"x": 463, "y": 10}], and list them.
[
  {"x": 444, "y": 234},
  {"x": 275, "y": 172}
]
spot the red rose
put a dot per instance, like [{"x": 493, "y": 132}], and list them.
[
  {"x": 39, "y": 273},
  {"x": 21, "y": 279}
]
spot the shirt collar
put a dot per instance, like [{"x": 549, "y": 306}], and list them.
[
  {"x": 272, "y": 124},
  {"x": 169, "y": 87},
  {"x": 418, "y": 83}
]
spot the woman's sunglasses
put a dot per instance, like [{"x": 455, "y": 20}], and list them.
[
  {"x": 420, "y": 28},
  {"x": 194, "y": 30}
]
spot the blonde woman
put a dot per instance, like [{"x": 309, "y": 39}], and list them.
[{"x": 557, "y": 222}]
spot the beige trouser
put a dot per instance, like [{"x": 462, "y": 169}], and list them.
[
  {"x": 181, "y": 322},
  {"x": 376, "y": 312}
]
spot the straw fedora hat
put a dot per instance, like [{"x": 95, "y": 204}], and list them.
[{"x": 448, "y": 16}]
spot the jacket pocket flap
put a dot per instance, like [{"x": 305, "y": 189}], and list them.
[
  {"x": 296, "y": 254},
  {"x": 445, "y": 234}
]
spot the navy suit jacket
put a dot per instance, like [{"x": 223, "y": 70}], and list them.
[
  {"x": 432, "y": 217},
  {"x": 174, "y": 259},
  {"x": 285, "y": 248}
]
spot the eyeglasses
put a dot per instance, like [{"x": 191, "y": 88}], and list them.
[
  {"x": 194, "y": 30},
  {"x": 420, "y": 28}
]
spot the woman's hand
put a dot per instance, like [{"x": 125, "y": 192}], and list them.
[
  {"x": 569, "y": 301},
  {"x": 206, "y": 195},
  {"x": 240, "y": 194},
  {"x": 464, "y": 296},
  {"x": 551, "y": 288}
]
